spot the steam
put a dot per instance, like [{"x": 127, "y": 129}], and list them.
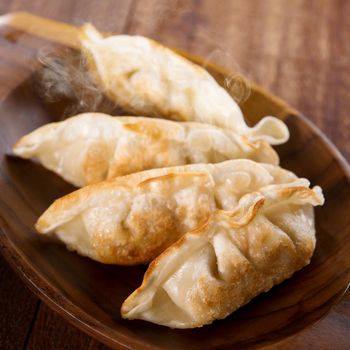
[
  {"x": 238, "y": 86},
  {"x": 63, "y": 77}
]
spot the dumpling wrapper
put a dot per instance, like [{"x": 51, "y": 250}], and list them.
[
  {"x": 146, "y": 78},
  {"x": 132, "y": 219},
  {"x": 93, "y": 147},
  {"x": 233, "y": 257}
]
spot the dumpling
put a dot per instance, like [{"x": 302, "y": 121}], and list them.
[
  {"x": 149, "y": 79},
  {"x": 92, "y": 147},
  {"x": 132, "y": 219},
  {"x": 231, "y": 258}
]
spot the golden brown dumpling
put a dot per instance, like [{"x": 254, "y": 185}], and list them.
[
  {"x": 132, "y": 219},
  {"x": 93, "y": 147},
  {"x": 146, "y": 78},
  {"x": 224, "y": 263}
]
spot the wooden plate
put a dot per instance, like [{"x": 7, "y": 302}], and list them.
[{"x": 89, "y": 294}]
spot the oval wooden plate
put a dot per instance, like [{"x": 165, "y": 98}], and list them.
[{"x": 89, "y": 294}]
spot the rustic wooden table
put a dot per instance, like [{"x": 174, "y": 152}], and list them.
[{"x": 298, "y": 49}]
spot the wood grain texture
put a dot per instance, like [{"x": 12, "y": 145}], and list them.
[
  {"x": 17, "y": 310},
  {"x": 297, "y": 49},
  {"x": 51, "y": 331}
]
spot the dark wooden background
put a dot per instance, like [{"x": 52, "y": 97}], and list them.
[{"x": 299, "y": 49}]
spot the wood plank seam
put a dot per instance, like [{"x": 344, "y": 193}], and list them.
[{"x": 32, "y": 323}]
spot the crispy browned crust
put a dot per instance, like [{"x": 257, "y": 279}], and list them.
[
  {"x": 303, "y": 192},
  {"x": 201, "y": 229},
  {"x": 96, "y": 164},
  {"x": 141, "y": 128},
  {"x": 168, "y": 176},
  {"x": 70, "y": 200},
  {"x": 250, "y": 215}
]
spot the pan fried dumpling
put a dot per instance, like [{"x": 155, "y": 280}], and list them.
[
  {"x": 220, "y": 266},
  {"x": 149, "y": 79},
  {"x": 132, "y": 219},
  {"x": 93, "y": 147}
]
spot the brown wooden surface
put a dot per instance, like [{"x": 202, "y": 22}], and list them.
[{"x": 297, "y": 49}]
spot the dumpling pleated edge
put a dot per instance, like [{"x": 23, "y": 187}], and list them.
[{"x": 251, "y": 205}]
